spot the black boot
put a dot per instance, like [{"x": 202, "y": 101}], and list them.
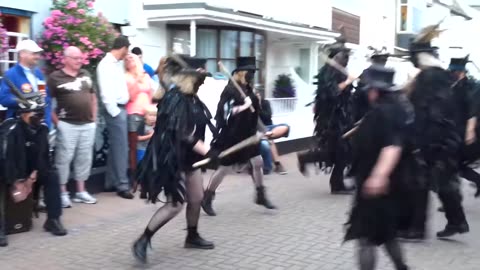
[
  {"x": 302, "y": 164},
  {"x": 451, "y": 230},
  {"x": 55, "y": 227},
  {"x": 194, "y": 240},
  {"x": 207, "y": 203},
  {"x": 262, "y": 198},
  {"x": 139, "y": 248},
  {"x": 3, "y": 235}
]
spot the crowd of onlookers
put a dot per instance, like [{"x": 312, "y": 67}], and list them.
[{"x": 127, "y": 89}]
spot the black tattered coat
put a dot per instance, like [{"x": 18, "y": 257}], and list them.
[{"x": 236, "y": 128}]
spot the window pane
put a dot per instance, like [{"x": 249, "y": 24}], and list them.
[
  {"x": 228, "y": 44},
  {"x": 258, "y": 78},
  {"x": 212, "y": 66},
  {"x": 207, "y": 43},
  {"x": 259, "y": 47},
  {"x": 403, "y": 18},
  {"x": 246, "y": 40},
  {"x": 404, "y": 1},
  {"x": 181, "y": 41}
]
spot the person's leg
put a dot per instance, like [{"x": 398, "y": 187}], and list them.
[
  {"x": 256, "y": 164},
  {"x": 82, "y": 163},
  {"x": 395, "y": 253},
  {"x": 366, "y": 255},
  {"x": 420, "y": 209},
  {"x": 194, "y": 186},
  {"x": 337, "y": 186},
  {"x": 472, "y": 176},
  {"x": 51, "y": 187},
  {"x": 3, "y": 229},
  {"x": 163, "y": 215},
  {"x": 134, "y": 121},
  {"x": 276, "y": 159},
  {"x": 215, "y": 181},
  {"x": 451, "y": 199},
  {"x": 266, "y": 153},
  {"x": 118, "y": 154},
  {"x": 67, "y": 140},
  {"x": 278, "y": 131},
  {"x": 309, "y": 157}
]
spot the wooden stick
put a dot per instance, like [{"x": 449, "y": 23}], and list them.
[{"x": 237, "y": 147}]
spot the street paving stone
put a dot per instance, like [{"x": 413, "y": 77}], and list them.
[{"x": 306, "y": 232}]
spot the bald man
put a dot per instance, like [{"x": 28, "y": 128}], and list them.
[{"x": 74, "y": 114}]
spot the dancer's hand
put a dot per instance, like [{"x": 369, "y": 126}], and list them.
[
  {"x": 470, "y": 136},
  {"x": 375, "y": 186},
  {"x": 213, "y": 154}
]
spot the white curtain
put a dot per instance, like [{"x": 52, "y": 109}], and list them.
[
  {"x": 207, "y": 47},
  {"x": 228, "y": 41}
]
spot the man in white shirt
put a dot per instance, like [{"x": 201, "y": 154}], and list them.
[{"x": 114, "y": 95}]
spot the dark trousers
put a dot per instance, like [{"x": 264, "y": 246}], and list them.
[
  {"x": 319, "y": 156},
  {"x": 336, "y": 179},
  {"x": 451, "y": 198},
  {"x": 51, "y": 191},
  {"x": 413, "y": 212},
  {"x": 470, "y": 175}
]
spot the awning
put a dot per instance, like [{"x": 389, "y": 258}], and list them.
[{"x": 201, "y": 11}]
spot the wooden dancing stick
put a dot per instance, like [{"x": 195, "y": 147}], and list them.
[
  {"x": 237, "y": 147},
  {"x": 353, "y": 130},
  {"x": 179, "y": 60}
]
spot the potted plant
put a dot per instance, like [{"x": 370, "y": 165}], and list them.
[
  {"x": 4, "y": 46},
  {"x": 72, "y": 23},
  {"x": 284, "y": 87}
]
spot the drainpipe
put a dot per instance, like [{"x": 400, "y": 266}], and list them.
[
  {"x": 314, "y": 47},
  {"x": 193, "y": 38}
]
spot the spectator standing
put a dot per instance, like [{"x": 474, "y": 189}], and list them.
[
  {"x": 140, "y": 88},
  {"x": 74, "y": 104},
  {"x": 145, "y": 131},
  {"x": 148, "y": 69},
  {"x": 27, "y": 77},
  {"x": 114, "y": 95}
]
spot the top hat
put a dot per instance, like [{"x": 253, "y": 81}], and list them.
[
  {"x": 246, "y": 63},
  {"x": 417, "y": 47},
  {"x": 380, "y": 78},
  {"x": 458, "y": 64},
  {"x": 195, "y": 63}
]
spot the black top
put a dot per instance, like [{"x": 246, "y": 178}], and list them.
[
  {"x": 181, "y": 121},
  {"x": 467, "y": 106},
  {"x": 236, "y": 128},
  {"x": 266, "y": 112}
]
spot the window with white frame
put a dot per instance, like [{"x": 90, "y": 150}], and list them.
[{"x": 409, "y": 16}]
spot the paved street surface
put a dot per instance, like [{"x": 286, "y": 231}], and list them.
[{"x": 305, "y": 233}]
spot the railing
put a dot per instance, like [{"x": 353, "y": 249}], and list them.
[{"x": 282, "y": 105}]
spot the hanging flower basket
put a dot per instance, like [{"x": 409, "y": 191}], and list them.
[{"x": 72, "y": 23}]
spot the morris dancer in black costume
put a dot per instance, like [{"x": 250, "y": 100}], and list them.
[
  {"x": 436, "y": 134},
  {"x": 176, "y": 145},
  {"x": 236, "y": 122},
  {"x": 377, "y": 156},
  {"x": 333, "y": 117},
  {"x": 464, "y": 95}
]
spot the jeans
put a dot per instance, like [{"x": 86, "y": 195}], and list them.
[{"x": 266, "y": 155}]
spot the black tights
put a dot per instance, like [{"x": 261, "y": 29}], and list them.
[
  {"x": 194, "y": 188},
  {"x": 367, "y": 255}
]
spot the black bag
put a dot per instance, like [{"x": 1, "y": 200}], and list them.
[{"x": 19, "y": 215}]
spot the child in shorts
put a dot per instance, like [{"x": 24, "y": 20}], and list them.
[{"x": 145, "y": 131}]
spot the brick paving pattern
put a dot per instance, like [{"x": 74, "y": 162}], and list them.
[{"x": 305, "y": 233}]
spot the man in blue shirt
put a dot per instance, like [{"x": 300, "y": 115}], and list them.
[
  {"x": 148, "y": 69},
  {"x": 27, "y": 77}
]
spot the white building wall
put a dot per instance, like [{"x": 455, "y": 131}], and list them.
[{"x": 153, "y": 41}]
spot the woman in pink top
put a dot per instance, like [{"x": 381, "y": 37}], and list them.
[{"x": 141, "y": 88}]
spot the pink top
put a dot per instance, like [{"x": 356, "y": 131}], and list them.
[{"x": 140, "y": 96}]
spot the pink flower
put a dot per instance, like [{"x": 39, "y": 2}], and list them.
[
  {"x": 56, "y": 13},
  {"x": 76, "y": 35},
  {"x": 85, "y": 41},
  {"x": 48, "y": 21},
  {"x": 71, "y": 5},
  {"x": 90, "y": 4},
  {"x": 81, "y": 11}
]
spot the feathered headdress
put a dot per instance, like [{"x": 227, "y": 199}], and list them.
[
  {"x": 338, "y": 45},
  {"x": 422, "y": 42}
]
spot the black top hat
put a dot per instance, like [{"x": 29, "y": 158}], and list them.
[
  {"x": 417, "y": 47},
  {"x": 458, "y": 64},
  {"x": 195, "y": 63},
  {"x": 246, "y": 63},
  {"x": 379, "y": 77}
]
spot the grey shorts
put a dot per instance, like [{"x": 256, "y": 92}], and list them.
[
  {"x": 134, "y": 121},
  {"x": 74, "y": 143}
]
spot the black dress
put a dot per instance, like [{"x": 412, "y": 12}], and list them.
[
  {"x": 375, "y": 218},
  {"x": 181, "y": 122},
  {"x": 233, "y": 129}
]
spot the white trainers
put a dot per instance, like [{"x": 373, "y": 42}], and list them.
[
  {"x": 66, "y": 203},
  {"x": 84, "y": 197}
]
